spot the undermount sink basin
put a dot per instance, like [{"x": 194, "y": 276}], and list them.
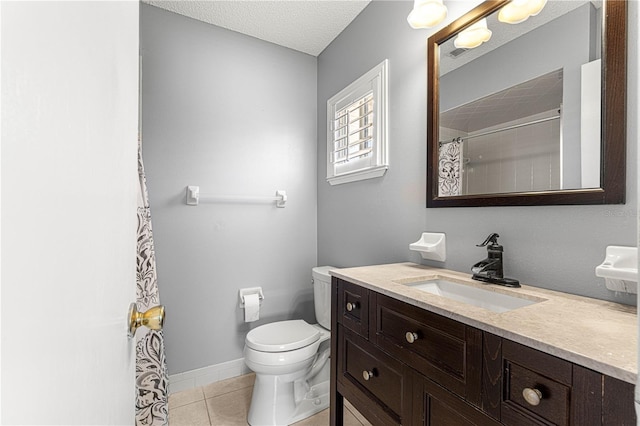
[{"x": 487, "y": 299}]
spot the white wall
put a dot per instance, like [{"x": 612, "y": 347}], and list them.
[
  {"x": 554, "y": 247},
  {"x": 235, "y": 116},
  {"x": 69, "y": 178}
]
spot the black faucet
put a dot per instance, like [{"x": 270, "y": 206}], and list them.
[{"x": 490, "y": 269}]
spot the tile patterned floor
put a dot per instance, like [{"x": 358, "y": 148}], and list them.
[{"x": 226, "y": 403}]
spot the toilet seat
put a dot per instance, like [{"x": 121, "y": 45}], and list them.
[{"x": 282, "y": 336}]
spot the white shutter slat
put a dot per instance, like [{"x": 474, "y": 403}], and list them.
[
  {"x": 361, "y": 140},
  {"x": 359, "y": 129},
  {"x": 360, "y": 153},
  {"x": 355, "y": 118}
]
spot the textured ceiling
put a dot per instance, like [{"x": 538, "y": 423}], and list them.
[
  {"x": 526, "y": 99},
  {"x": 304, "y": 25}
]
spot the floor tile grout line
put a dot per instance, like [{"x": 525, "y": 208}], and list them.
[
  {"x": 190, "y": 402},
  {"x": 356, "y": 416},
  {"x": 194, "y": 409},
  {"x": 224, "y": 393},
  {"x": 221, "y": 395},
  {"x": 209, "y": 414},
  {"x": 206, "y": 406},
  {"x": 204, "y": 395}
]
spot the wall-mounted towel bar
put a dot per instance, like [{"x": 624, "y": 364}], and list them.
[{"x": 194, "y": 198}]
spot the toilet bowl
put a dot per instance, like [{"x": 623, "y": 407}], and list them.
[{"x": 290, "y": 359}]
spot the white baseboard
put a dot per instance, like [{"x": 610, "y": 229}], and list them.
[{"x": 206, "y": 375}]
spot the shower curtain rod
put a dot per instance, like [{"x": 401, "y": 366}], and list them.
[{"x": 490, "y": 132}]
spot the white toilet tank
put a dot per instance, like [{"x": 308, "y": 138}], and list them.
[{"x": 322, "y": 295}]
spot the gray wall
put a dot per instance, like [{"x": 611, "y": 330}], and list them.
[
  {"x": 374, "y": 221},
  {"x": 236, "y": 116}
]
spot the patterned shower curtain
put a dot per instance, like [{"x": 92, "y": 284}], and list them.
[
  {"x": 151, "y": 369},
  {"x": 450, "y": 162}
]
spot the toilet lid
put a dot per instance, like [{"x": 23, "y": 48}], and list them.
[{"x": 282, "y": 336}]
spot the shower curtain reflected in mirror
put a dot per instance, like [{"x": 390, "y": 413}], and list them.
[
  {"x": 450, "y": 164},
  {"x": 151, "y": 369}
]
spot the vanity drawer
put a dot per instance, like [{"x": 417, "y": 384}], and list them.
[
  {"x": 546, "y": 380},
  {"x": 434, "y": 405},
  {"x": 353, "y": 307},
  {"x": 364, "y": 367},
  {"x": 445, "y": 351}
]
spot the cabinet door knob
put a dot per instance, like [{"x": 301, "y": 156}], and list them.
[
  {"x": 367, "y": 374},
  {"x": 352, "y": 305},
  {"x": 532, "y": 396},
  {"x": 411, "y": 336}
]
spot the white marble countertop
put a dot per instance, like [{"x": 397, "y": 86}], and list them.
[{"x": 593, "y": 333}]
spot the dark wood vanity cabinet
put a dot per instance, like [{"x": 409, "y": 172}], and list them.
[
  {"x": 446, "y": 351},
  {"x": 434, "y": 405},
  {"x": 540, "y": 389},
  {"x": 400, "y": 364},
  {"x": 353, "y": 307},
  {"x": 366, "y": 370}
]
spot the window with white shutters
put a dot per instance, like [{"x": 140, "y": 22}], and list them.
[{"x": 357, "y": 127}]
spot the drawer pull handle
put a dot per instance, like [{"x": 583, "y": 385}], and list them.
[
  {"x": 532, "y": 396},
  {"x": 352, "y": 305},
  {"x": 411, "y": 336},
  {"x": 367, "y": 374}
]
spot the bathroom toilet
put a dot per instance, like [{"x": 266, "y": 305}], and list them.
[{"x": 290, "y": 359}]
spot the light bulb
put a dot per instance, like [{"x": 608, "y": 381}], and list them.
[
  {"x": 473, "y": 36},
  {"x": 518, "y": 11},
  {"x": 427, "y": 13}
]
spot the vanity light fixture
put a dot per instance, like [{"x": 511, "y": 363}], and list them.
[
  {"x": 427, "y": 13},
  {"x": 473, "y": 36},
  {"x": 518, "y": 11}
]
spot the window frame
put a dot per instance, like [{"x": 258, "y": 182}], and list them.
[{"x": 374, "y": 165}]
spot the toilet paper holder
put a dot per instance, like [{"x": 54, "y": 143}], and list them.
[{"x": 247, "y": 291}]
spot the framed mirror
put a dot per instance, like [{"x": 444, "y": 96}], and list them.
[{"x": 535, "y": 114}]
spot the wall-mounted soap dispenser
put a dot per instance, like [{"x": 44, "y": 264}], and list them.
[
  {"x": 431, "y": 246},
  {"x": 620, "y": 269}
]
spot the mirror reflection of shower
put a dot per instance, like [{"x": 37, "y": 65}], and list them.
[
  {"x": 550, "y": 65},
  {"x": 510, "y": 141}
]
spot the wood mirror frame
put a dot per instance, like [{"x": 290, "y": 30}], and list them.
[{"x": 613, "y": 112}]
